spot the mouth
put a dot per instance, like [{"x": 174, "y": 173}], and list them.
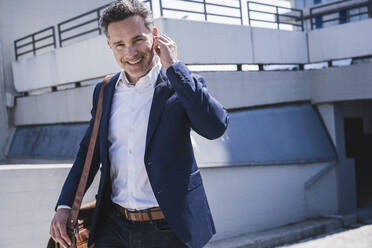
[{"x": 135, "y": 62}]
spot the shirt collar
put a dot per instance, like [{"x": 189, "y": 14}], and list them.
[{"x": 144, "y": 82}]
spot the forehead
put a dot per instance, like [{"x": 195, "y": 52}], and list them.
[{"x": 127, "y": 29}]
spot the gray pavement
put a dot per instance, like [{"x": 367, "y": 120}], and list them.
[
  {"x": 360, "y": 237},
  {"x": 329, "y": 232}
]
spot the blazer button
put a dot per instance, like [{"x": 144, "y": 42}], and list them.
[{"x": 149, "y": 163}]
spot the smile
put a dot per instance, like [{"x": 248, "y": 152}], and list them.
[{"x": 134, "y": 62}]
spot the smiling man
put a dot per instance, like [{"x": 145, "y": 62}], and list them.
[{"x": 151, "y": 192}]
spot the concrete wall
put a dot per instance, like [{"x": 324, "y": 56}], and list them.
[
  {"x": 56, "y": 107},
  {"x": 341, "y": 41},
  {"x": 87, "y": 59},
  {"x": 18, "y": 19},
  {"x": 21, "y": 18},
  {"x": 32, "y": 191},
  {"x": 233, "y": 89},
  {"x": 247, "y": 195},
  {"x": 341, "y": 83},
  {"x": 92, "y": 58},
  {"x": 272, "y": 46}
]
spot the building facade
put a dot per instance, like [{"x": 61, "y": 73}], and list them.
[{"x": 297, "y": 146}]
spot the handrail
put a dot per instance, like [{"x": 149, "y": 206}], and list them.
[
  {"x": 205, "y": 11},
  {"x": 296, "y": 18},
  {"x": 34, "y": 42},
  {"x": 63, "y": 32}
]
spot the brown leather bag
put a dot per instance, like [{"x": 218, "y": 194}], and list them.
[{"x": 78, "y": 222}]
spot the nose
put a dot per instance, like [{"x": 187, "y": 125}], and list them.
[{"x": 132, "y": 52}]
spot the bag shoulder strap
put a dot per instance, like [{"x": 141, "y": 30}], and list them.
[{"x": 72, "y": 220}]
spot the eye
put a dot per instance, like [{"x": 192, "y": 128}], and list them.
[{"x": 138, "y": 40}]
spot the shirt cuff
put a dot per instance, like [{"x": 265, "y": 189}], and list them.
[{"x": 63, "y": 206}]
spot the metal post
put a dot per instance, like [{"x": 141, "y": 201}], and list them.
[
  {"x": 370, "y": 9},
  {"x": 59, "y": 35},
  {"x": 150, "y": 5},
  {"x": 241, "y": 13},
  {"x": 54, "y": 37},
  {"x": 205, "y": 10},
  {"x": 33, "y": 44},
  {"x": 277, "y": 16},
  {"x": 15, "y": 50},
  {"x": 302, "y": 20},
  {"x": 311, "y": 19},
  {"x": 249, "y": 18},
  {"x": 98, "y": 17},
  {"x": 161, "y": 7}
]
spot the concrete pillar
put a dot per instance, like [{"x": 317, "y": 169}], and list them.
[
  {"x": 345, "y": 169},
  {"x": 4, "y": 130}
]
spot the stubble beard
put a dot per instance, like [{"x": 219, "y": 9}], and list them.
[{"x": 147, "y": 68}]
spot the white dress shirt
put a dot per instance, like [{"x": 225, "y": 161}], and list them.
[{"x": 127, "y": 132}]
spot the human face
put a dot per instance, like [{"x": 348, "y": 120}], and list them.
[{"x": 132, "y": 45}]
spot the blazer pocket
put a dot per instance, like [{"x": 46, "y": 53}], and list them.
[{"x": 194, "y": 181}]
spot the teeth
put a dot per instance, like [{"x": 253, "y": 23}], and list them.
[{"x": 134, "y": 62}]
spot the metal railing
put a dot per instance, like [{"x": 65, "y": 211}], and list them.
[
  {"x": 88, "y": 23},
  {"x": 33, "y": 40},
  {"x": 69, "y": 29},
  {"x": 66, "y": 28},
  {"x": 207, "y": 9},
  {"x": 318, "y": 13},
  {"x": 288, "y": 18}
]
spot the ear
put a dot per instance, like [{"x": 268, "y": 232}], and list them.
[
  {"x": 155, "y": 32},
  {"x": 109, "y": 45}
]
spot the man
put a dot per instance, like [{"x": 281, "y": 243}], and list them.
[{"x": 144, "y": 145}]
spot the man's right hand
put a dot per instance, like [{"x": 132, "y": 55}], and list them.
[{"x": 58, "y": 229}]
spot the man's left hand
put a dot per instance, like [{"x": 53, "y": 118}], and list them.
[{"x": 166, "y": 48}]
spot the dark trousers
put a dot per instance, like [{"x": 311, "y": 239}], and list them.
[{"x": 117, "y": 231}]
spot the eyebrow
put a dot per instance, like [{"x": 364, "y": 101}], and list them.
[{"x": 135, "y": 37}]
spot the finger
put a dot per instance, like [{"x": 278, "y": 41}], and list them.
[
  {"x": 163, "y": 43},
  {"x": 52, "y": 233},
  {"x": 164, "y": 40},
  {"x": 63, "y": 231},
  {"x": 167, "y": 37},
  {"x": 59, "y": 238}
]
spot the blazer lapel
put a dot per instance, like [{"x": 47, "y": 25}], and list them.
[
  {"x": 106, "y": 110},
  {"x": 161, "y": 94}
]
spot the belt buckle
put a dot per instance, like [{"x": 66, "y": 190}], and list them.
[{"x": 126, "y": 214}]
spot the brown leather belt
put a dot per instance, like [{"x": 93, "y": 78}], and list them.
[{"x": 141, "y": 215}]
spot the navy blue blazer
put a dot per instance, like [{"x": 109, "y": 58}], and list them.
[{"x": 181, "y": 101}]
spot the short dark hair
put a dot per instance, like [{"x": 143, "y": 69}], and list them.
[{"x": 121, "y": 10}]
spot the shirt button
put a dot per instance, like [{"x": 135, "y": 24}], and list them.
[{"x": 130, "y": 151}]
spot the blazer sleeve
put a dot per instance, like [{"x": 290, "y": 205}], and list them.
[
  {"x": 207, "y": 116},
  {"x": 72, "y": 181}
]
